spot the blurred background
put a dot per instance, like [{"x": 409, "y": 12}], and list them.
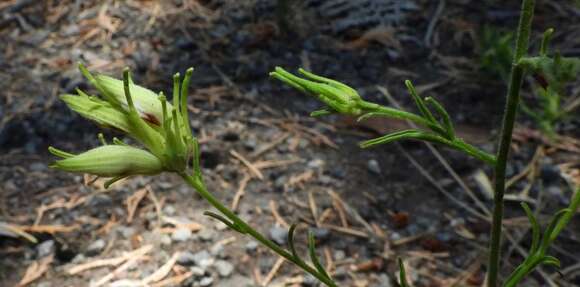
[{"x": 365, "y": 207}]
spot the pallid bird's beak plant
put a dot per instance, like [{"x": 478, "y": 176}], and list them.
[
  {"x": 438, "y": 128},
  {"x": 168, "y": 145}
]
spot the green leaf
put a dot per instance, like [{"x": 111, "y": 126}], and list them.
[
  {"x": 411, "y": 134},
  {"x": 322, "y": 112},
  {"x": 225, "y": 221},
  {"x": 291, "y": 241},
  {"x": 573, "y": 207},
  {"x": 444, "y": 115},
  {"x": 420, "y": 102},
  {"x": 183, "y": 107},
  {"x": 109, "y": 182},
  {"x": 59, "y": 153},
  {"x": 546, "y": 41},
  {"x": 547, "y": 238},
  {"x": 402, "y": 274},
  {"x": 314, "y": 257},
  {"x": 551, "y": 261},
  {"x": 535, "y": 227},
  {"x": 196, "y": 157}
]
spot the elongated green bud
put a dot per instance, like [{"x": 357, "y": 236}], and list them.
[
  {"x": 112, "y": 161},
  {"x": 96, "y": 110},
  {"x": 146, "y": 101},
  {"x": 336, "y": 95}
]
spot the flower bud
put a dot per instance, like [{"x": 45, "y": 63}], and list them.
[
  {"x": 99, "y": 111},
  {"x": 112, "y": 161},
  {"x": 336, "y": 95},
  {"x": 146, "y": 101}
]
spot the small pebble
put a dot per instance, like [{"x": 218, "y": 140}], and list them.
[
  {"x": 181, "y": 234},
  {"x": 197, "y": 271},
  {"x": 395, "y": 236},
  {"x": 339, "y": 255},
  {"x": 126, "y": 232},
  {"x": 279, "y": 234},
  {"x": 186, "y": 258},
  {"x": 96, "y": 247},
  {"x": 373, "y": 166},
  {"x": 45, "y": 248},
  {"x": 224, "y": 268},
  {"x": 206, "y": 281},
  {"x": 203, "y": 259},
  {"x": 206, "y": 234},
  {"x": 218, "y": 250},
  {"x": 251, "y": 246},
  {"x": 169, "y": 210}
]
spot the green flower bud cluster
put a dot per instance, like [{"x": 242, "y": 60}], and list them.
[
  {"x": 162, "y": 128},
  {"x": 338, "y": 97}
]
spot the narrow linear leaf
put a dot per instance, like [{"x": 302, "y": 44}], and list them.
[
  {"x": 551, "y": 261},
  {"x": 547, "y": 238},
  {"x": 402, "y": 274},
  {"x": 406, "y": 135},
  {"x": 196, "y": 156},
  {"x": 444, "y": 115},
  {"x": 327, "y": 81},
  {"x": 110, "y": 182},
  {"x": 117, "y": 141},
  {"x": 225, "y": 221},
  {"x": 535, "y": 227},
  {"x": 60, "y": 153},
  {"x": 313, "y": 257},
  {"x": 546, "y": 41},
  {"x": 419, "y": 102},
  {"x": 322, "y": 112},
  {"x": 575, "y": 202},
  {"x": 291, "y": 241}
]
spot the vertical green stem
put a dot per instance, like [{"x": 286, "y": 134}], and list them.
[
  {"x": 513, "y": 95},
  {"x": 199, "y": 186}
]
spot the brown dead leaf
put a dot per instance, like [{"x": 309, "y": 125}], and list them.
[{"x": 382, "y": 34}]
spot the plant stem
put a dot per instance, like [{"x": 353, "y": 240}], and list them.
[
  {"x": 461, "y": 145},
  {"x": 394, "y": 113},
  {"x": 524, "y": 269},
  {"x": 513, "y": 95},
  {"x": 199, "y": 186}
]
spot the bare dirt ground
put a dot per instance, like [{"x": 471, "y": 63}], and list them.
[{"x": 365, "y": 207}]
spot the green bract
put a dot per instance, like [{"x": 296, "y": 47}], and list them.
[
  {"x": 146, "y": 101},
  {"x": 97, "y": 110},
  {"x": 163, "y": 129},
  {"x": 337, "y": 96},
  {"x": 111, "y": 161}
]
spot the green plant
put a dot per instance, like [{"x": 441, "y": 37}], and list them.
[
  {"x": 495, "y": 59},
  {"x": 342, "y": 99},
  {"x": 163, "y": 129},
  {"x": 169, "y": 146},
  {"x": 551, "y": 74},
  {"x": 495, "y": 52}
]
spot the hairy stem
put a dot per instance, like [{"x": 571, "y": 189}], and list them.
[
  {"x": 199, "y": 186},
  {"x": 513, "y": 96}
]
